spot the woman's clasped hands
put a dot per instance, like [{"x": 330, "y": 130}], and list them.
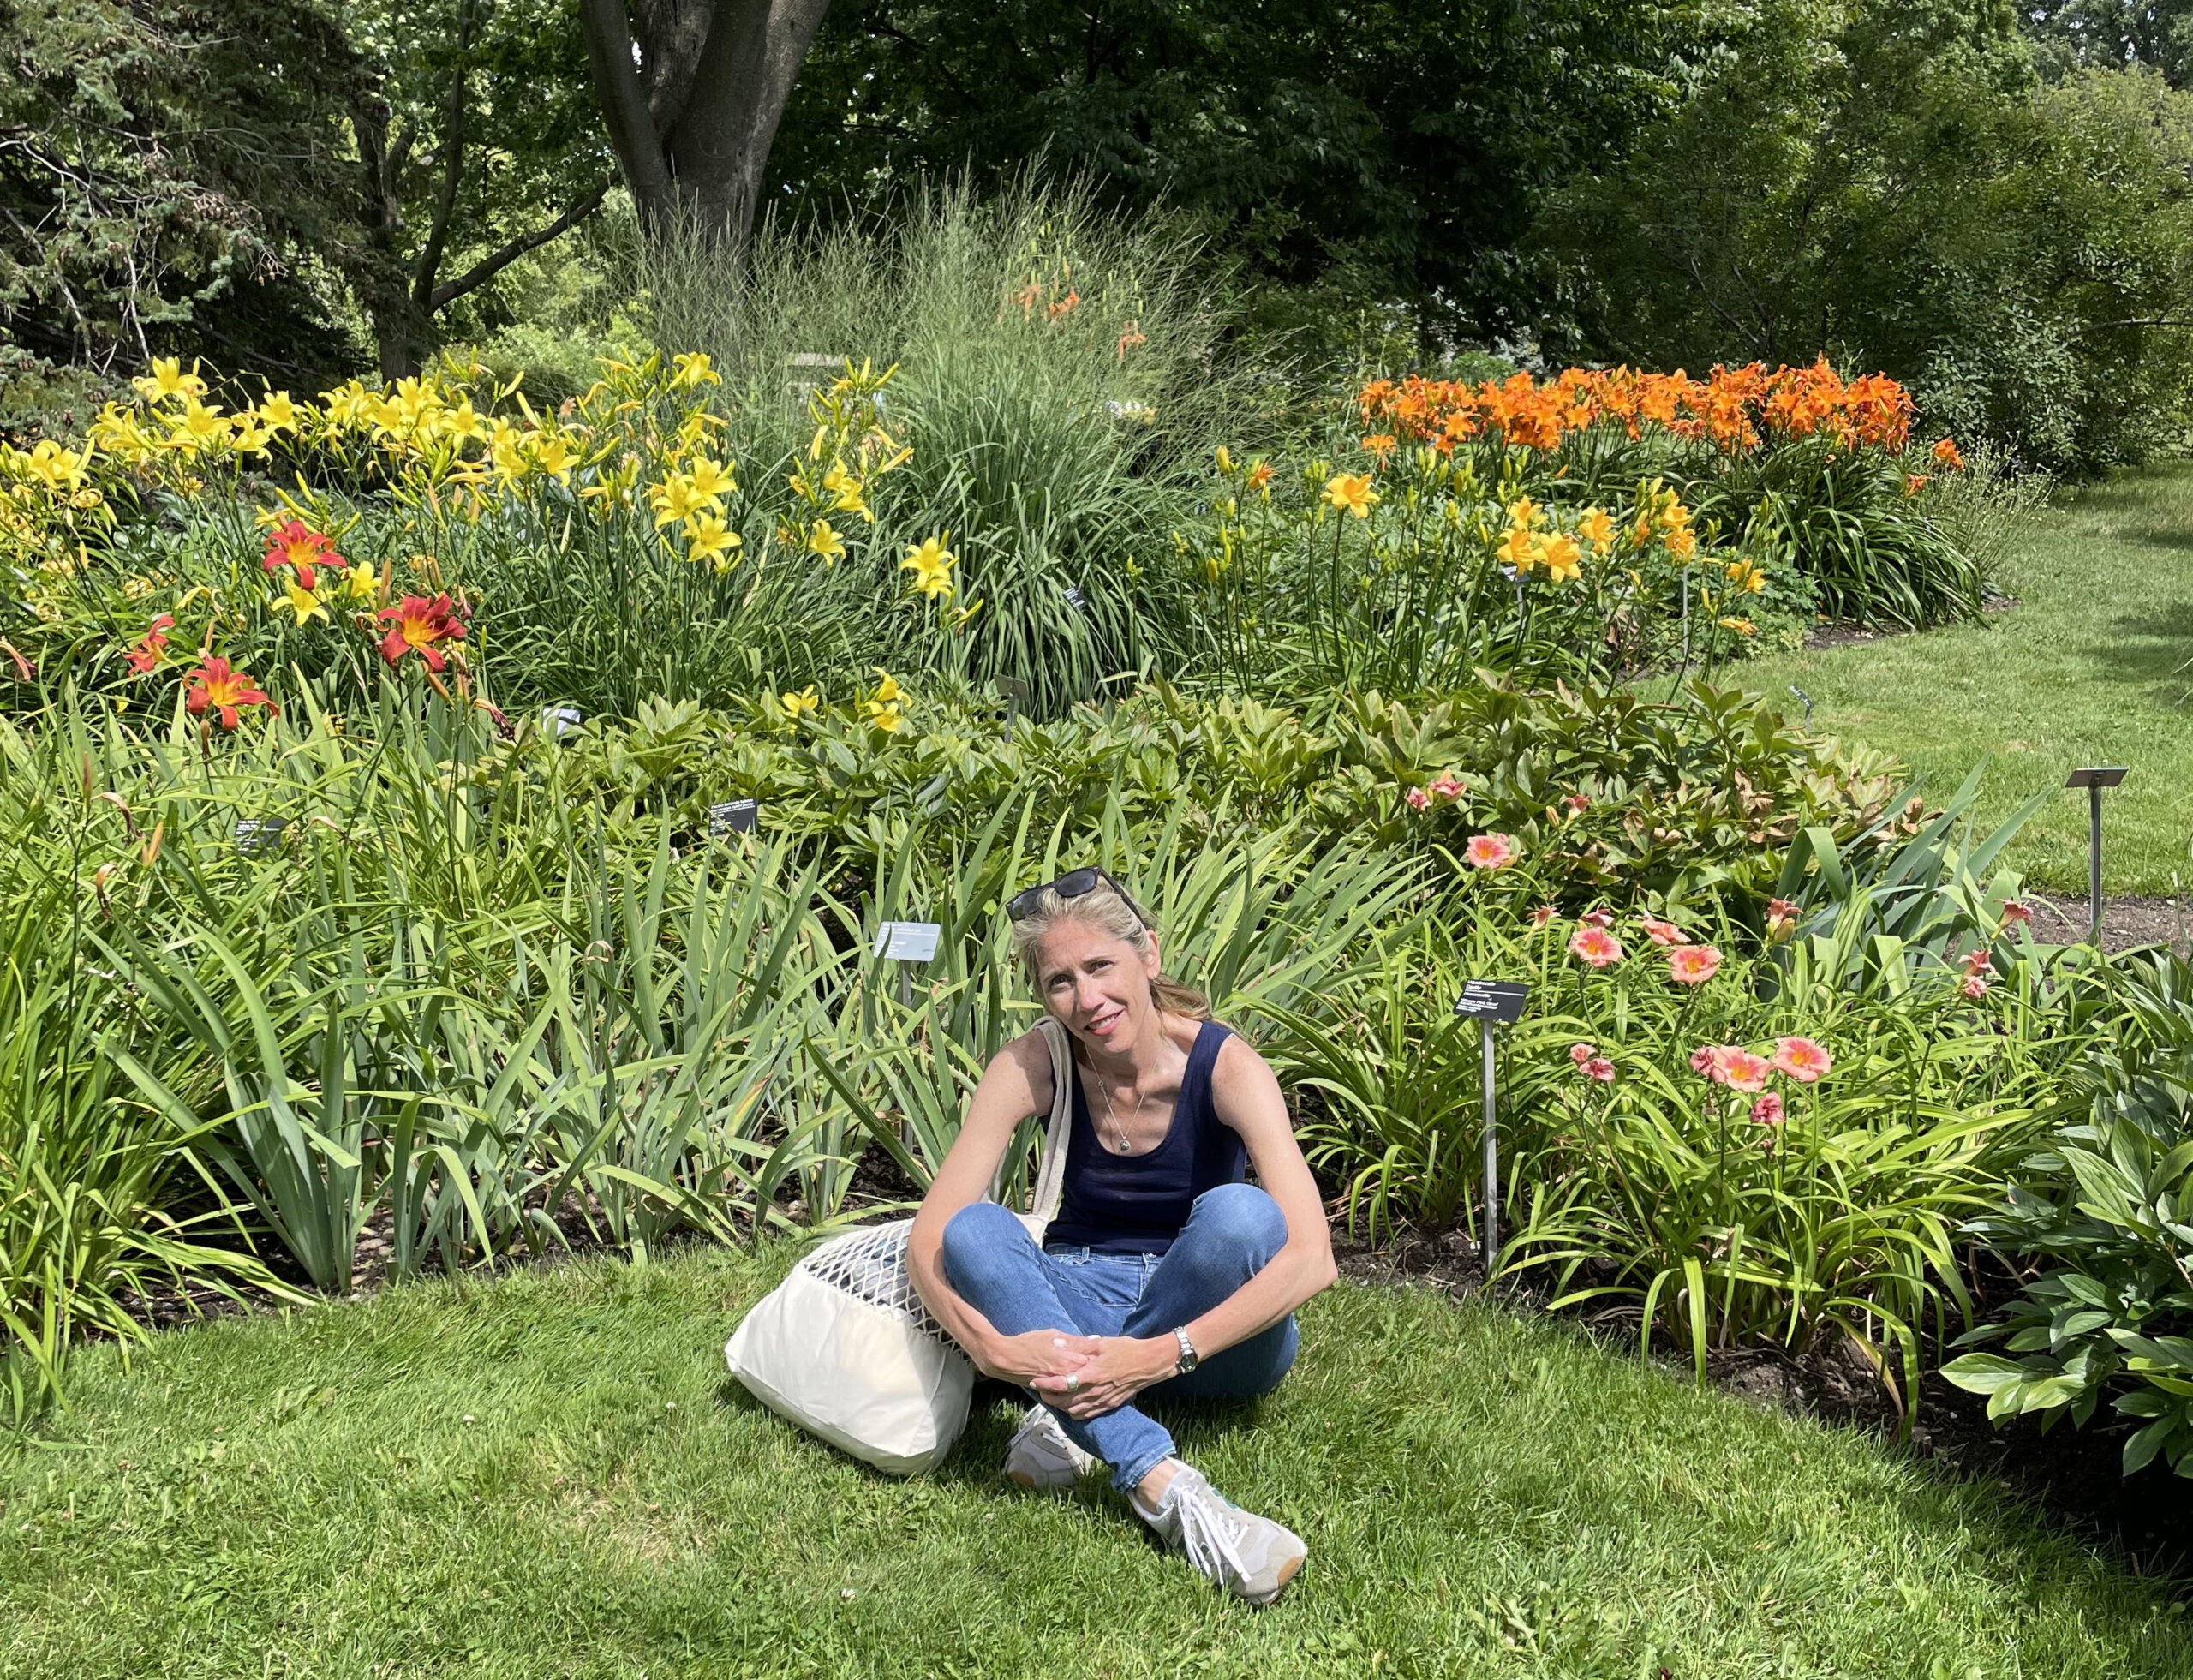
[{"x": 1084, "y": 1376}]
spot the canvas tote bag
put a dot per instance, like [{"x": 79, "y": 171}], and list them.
[{"x": 844, "y": 1347}]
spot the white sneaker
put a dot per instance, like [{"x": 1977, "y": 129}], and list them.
[
  {"x": 1042, "y": 1457},
  {"x": 1250, "y": 1556}
]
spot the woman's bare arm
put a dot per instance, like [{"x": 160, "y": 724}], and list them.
[{"x": 1018, "y": 1083}]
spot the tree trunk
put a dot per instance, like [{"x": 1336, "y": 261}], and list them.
[{"x": 692, "y": 115}]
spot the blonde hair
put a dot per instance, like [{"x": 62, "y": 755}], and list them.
[{"x": 1103, "y": 908}]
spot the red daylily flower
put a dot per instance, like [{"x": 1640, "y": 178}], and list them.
[
  {"x": 1767, "y": 1111},
  {"x": 295, "y": 544},
  {"x": 420, "y": 624},
  {"x": 148, "y": 651},
  {"x": 216, "y": 686}
]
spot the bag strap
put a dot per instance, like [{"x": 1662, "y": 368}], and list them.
[{"x": 1050, "y": 1172}]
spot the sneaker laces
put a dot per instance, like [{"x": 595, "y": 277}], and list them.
[{"x": 1210, "y": 1534}]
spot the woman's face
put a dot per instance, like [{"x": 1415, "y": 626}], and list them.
[{"x": 1097, "y": 984}]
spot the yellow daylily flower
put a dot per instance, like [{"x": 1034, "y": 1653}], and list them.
[
  {"x": 553, "y": 455},
  {"x": 168, "y": 380},
  {"x": 707, "y": 538},
  {"x": 346, "y": 405},
  {"x": 305, "y": 603},
  {"x": 826, "y": 543},
  {"x": 693, "y": 369},
  {"x": 359, "y": 583},
  {"x": 1596, "y": 527},
  {"x": 1351, "y": 493},
  {"x": 1563, "y": 558},
  {"x": 674, "y": 500},
  {"x": 1746, "y": 576},
  {"x": 201, "y": 424},
  {"x": 58, "y": 469},
  {"x": 801, "y": 704},
  {"x": 710, "y": 479},
  {"x": 931, "y": 563},
  {"x": 846, "y": 488},
  {"x": 277, "y": 412}
]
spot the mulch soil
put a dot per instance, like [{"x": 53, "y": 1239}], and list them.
[{"x": 2125, "y": 922}]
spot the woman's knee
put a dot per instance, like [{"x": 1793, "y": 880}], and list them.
[
  {"x": 1241, "y": 1218},
  {"x": 975, "y": 1239}
]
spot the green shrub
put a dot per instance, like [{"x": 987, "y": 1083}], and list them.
[{"x": 2105, "y": 1212}]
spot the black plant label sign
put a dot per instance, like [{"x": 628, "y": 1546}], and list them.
[
  {"x": 1500, "y": 1001},
  {"x": 733, "y": 817},
  {"x": 255, "y": 834}
]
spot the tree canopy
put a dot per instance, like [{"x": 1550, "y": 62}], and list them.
[
  {"x": 1988, "y": 201},
  {"x": 1393, "y": 150}
]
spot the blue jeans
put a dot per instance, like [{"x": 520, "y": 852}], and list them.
[{"x": 1231, "y": 1235}]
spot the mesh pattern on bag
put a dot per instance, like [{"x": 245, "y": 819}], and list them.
[{"x": 870, "y": 1266}]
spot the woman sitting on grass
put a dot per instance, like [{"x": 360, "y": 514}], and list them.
[{"x": 1163, "y": 1272}]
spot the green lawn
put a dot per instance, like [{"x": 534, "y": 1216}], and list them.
[
  {"x": 2084, "y": 670},
  {"x": 551, "y": 1475}
]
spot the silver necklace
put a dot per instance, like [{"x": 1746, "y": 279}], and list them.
[{"x": 1119, "y": 1132}]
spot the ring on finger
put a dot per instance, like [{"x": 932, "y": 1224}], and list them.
[{"x": 1072, "y": 1383}]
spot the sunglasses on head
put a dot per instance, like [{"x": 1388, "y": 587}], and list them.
[{"x": 1074, "y": 884}]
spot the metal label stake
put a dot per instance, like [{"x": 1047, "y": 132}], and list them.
[
  {"x": 1491, "y": 1003},
  {"x": 1016, "y": 695},
  {"x": 2093, "y": 781},
  {"x": 906, "y": 943}
]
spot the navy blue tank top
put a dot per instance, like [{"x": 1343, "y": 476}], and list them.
[{"x": 1136, "y": 1204}]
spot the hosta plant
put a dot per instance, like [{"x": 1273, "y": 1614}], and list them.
[{"x": 2106, "y": 1213}]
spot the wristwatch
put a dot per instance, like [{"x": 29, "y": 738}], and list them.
[{"x": 1189, "y": 1358}]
